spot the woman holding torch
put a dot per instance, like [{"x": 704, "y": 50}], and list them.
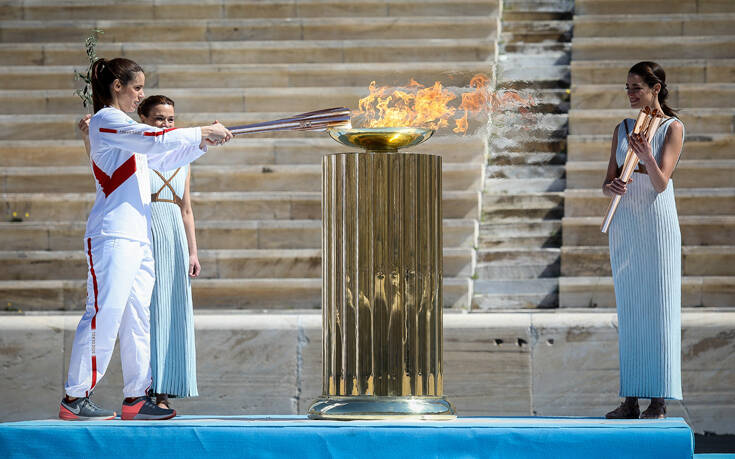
[
  {"x": 173, "y": 352},
  {"x": 117, "y": 241},
  {"x": 645, "y": 252}
]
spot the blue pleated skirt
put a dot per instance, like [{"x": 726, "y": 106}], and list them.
[{"x": 173, "y": 354}]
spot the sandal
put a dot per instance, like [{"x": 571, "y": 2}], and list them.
[
  {"x": 628, "y": 409},
  {"x": 162, "y": 401},
  {"x": 656, "y": 410}
]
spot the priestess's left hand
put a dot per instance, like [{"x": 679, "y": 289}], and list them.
[
  {"x": 642, "y": 149},
  {"x": 194, "y": 267}
]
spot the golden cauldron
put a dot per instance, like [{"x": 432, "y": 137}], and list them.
[{"x": 381, "y": 279}]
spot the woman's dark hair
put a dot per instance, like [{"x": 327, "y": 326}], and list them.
[
  {"x": 652, "y": 73},
  {"x": 144, "y": 109},
  {"x": 104, "y": 73}
]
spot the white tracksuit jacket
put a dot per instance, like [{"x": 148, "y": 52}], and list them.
[{"x": 117, "y": 243}]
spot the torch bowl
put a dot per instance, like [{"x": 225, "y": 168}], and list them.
[{"x": 380, "y": 139}]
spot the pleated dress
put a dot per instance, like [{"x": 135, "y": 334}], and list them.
[
  {"x": 645, "y": 255},
  {"x": 173, "y": 354}
]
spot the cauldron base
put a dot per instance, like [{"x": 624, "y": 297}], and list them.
[{"x": 366, "y": 407}]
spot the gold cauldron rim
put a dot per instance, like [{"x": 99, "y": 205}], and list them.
[{"x": 380, "y": 139}]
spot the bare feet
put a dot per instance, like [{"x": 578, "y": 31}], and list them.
[{"x": 628, "y": 409}]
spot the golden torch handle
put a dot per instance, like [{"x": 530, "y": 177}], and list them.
[{"x": 646, "y": 124}]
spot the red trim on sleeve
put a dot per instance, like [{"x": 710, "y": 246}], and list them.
[
  {"x": 157, "y": 133},
  {"x": 122, "y": 173}
]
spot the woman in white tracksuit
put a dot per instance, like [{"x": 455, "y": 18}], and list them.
[{"x": 117, "y": 241}]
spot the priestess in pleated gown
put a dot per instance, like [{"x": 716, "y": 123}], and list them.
[
  {"x": 645, "y": 254},
  {"x": 173, "y": 356}
]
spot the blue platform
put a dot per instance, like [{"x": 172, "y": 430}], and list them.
[{"x": 296, "y": 436}]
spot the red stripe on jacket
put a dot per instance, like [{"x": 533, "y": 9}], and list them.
[
  {"x": 144, "y": 133},
  {"x": 94, "y": 317},
  {"x": 122, "y": 173}
]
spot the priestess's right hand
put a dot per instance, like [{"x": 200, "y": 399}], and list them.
[{"x": 617, "y": 186}]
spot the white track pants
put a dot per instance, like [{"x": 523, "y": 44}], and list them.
[{"x": 120, "y": 281}]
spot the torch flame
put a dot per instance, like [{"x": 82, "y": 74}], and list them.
[{"x": 434, "y": 107}]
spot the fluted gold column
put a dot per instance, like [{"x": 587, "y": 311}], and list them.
[{"x": 381, "y": 287}]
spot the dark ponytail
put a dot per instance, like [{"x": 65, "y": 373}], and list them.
[
  {"x": 652, "y": 73},
  {"x": 144, "y": 109},
  {"x": 104, "y": 73}
]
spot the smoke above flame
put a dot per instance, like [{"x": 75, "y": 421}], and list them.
[{"x": 436, "y": 106}]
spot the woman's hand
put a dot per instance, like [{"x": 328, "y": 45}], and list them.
[
  {"x": 617, "y": 186},
  {"x": 641, "y": 148},
  {"x": 216, "y": 134},
  {"x": 194, "y": 266},
  {"x": 83, "y": 124}
]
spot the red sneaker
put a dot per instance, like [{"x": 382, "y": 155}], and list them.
[{"x": 143, "y": 409}]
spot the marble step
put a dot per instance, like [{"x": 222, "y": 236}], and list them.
[
  {"x": 524, "y": 171},
  {"x": 681, "y": 96},
  {"x": 244, "y": 9},
  {"x": 599, "y": 292},
  {"x": 294, "y": 178},
  {"x": 515, "y": 294},
  {"x": 584, "y": 7},
  {"x": 665, "y": 25},
  {"x": 252, "y": 294},
  {"x": 517, "y": 263},
  {"x": 633, "y": 49},
  {"x": 258, "y": 52},
  {"x": 531, "y": 49},
  {"x": 696, "y": 261},
  {"x": 689, "y": 201},
  {"x": 246, "y": 151},
  {"x": 65, "y": 207},
  {"x": 695, "y": 70},
  {"x": 171, "y": 30},
  {"x": 541, "y": 205},
  {"x": 537, "y": 60},
  {"x": 518, "y": 144},
  {"x": 534, "y": 158},
  {"x": 696, "y": 230},
  {"x": 216, "y": 264},
  {"x": 504, "y": 186},
  {"x": 714, "y": 173},
  {"x": 697, "y": 120},
  {"x": 696, "y": 146},
  {"x": 533, "y": 76},
  {"x": 535, "y": 31},
  {"x": 213, "y": 234},
  {"x": 64, "y": 127},
  {"x": 256, "y": 75},
  {"x": 518, "y": 233}
]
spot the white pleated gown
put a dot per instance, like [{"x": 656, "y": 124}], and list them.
[
  {"x": 173, "y": 355},
  {"x": 645, "y": 254}
]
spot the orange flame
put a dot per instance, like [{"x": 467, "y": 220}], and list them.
[{"x": 431, "y": 107}]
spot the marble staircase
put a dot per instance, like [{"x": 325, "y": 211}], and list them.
[
  {"x": 695, "y": 44},
  {"x": 256, "y": 200},
  {"x": 520, "y": 233}
]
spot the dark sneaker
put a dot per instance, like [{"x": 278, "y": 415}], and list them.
[
  {"x": 83, "y": 409},
  {"x": 144, "y": 409}
]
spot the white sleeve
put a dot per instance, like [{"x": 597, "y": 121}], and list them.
[
  {"x": 165, "y": 148},
  {"x": 176, "y": 158}
]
